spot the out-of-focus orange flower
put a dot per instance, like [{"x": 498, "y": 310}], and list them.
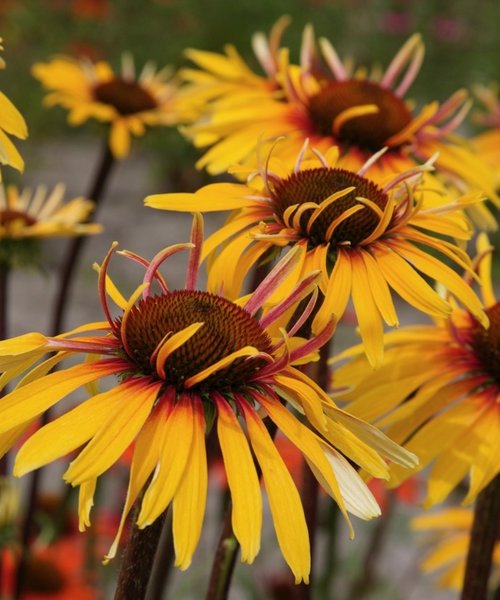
[{"x": 91, "y": 9}]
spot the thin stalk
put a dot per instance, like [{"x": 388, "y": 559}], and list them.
[
  {"x": 163, "y": 562},
  {"x": 224, "y": 561},
  {"x": 484, "y": 533},
  {"x": 228, "y": 548},
  {"x": 137, "y": 562},
  {"x": 364, "y": 584},
  {"x": 68, "y": 270}
]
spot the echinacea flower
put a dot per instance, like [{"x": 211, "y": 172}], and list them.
[
  {"x": 438, "y": 392},
  {"x": 11, "y": 123},
  {"x": 185, "y": 359},
  {"x": 28, "y": 216},
  {"x": 448, "y": 534},
  {"x": 327, "y": 101},
  {"x": 364, "y": 238},
  {"x": 129, "y": 103}
]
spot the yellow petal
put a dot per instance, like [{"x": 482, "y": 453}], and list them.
[
  {"x": 191, "y": 495},
  {"x": 284, "y": 499},
  {"x": 27, "y": 402},
  {"x": 242, "y": 480},
  {"x": 220, "y": 364},
  {"x": 116, "y": 434},
  {"x": 173, "y": 461},
  {"x": 85, "y": 503},
  {"x": 146, "y": 453}
]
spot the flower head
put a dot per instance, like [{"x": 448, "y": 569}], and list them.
[
  {"x": 364, "y": 238},
  {"x": 327, "y": 101},
  {"x": 127, "y": 102},
  {"x": 184, "y": 359},
  {"x": 11, "y": 123},
  {"x": 438, "y": 392},
  {"x": 26, "y": 217},
  {"x": 449, "y": 533}
]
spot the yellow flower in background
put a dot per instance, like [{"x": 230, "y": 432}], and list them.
[
  {"x": 11, "y": 123},
  {"x": 28, "y": 216},
  {"x": 185, "y": 359},
  {"x": 487, "y": 143},
  {"x": 129, "y": 103},
  {"x": 364, "y": 238},
  {"x": 227, "y": 78},
  {"x": 330, "y": 102},
  {"x": 437, "y": 392},
  {"x": 448, "y": 533}
]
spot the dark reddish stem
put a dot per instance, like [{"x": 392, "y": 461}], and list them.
[
  {"x": 138, "y": 559},
  {"x": 484, "y": 533},
  {"x": 68, "y": 271}
]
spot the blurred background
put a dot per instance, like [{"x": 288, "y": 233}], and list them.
[{"x": 462, "y": 48}]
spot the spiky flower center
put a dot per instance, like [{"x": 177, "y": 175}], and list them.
[
  {"x": 128, "y": 97},
  {"x": 371, "y": 131},
  {"x": 227, "y": 328},
  {"x": 9, "y": 216},
  {"x": 486, "y": 343},
  {"x": 316, "y": 185}
]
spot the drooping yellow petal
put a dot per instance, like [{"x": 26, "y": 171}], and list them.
[
  {"x": 69, "y": 431},
  {"x": 119, "y": 139},
  {"x": 27, "y": 402},
  {"x": 242, "y": 480},
  {"x": 369, "y": 319},
  {"x": 190, "y": 498},
  {"x": 146, "y": 453},
  {"x": 116, "y": 434},
  {"x": 85, "y": 503},
  {"x": 284, "y": 499},
  {"x": 337, "y": 294},
  {"x": 172, "y": 461}
]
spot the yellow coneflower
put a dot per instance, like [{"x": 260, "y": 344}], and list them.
[
  {"x": 27, "y": 216},
  {"x": 364, "y": 238},
  {"x": 438, "y": 392},
  {"x": 449, "y": 533},
  {"x": 331, "y": 103},
  {"x": 184, "y": 359},
  {"x": 129, "y": 103}
]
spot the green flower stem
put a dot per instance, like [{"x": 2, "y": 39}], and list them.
[
  {"x": 67, "y": 274},
  {"x": 224, "y": 561},
  {"x": 138, "y": 559},
  {"x": 484, "y": 533}
]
